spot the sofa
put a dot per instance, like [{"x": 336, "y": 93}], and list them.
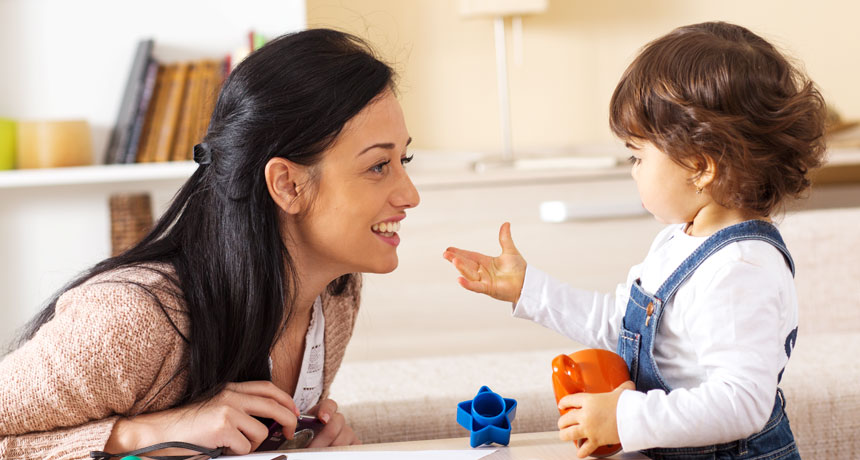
[{"x": 406, "y": 397}]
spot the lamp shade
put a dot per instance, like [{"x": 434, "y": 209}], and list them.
[{"x": 496, "y": 8}]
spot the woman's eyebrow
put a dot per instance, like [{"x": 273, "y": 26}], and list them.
[{"x": 383, "y": 145}]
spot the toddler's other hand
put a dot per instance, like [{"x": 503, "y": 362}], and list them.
[
  {"x": 592, "y": 418},
  {"x": 499, "y": 277}
]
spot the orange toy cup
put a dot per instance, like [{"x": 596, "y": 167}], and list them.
[{"x": 589, "y": 371}]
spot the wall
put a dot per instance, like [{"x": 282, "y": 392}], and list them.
[
  {"x": 66, "y": 59},
  {"x": 572, "y": 58}
]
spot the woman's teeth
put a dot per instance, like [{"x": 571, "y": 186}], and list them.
[{"x": 386, "y": 228}]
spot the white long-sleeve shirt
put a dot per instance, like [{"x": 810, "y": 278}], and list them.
[{"x": 720, "y": 346}]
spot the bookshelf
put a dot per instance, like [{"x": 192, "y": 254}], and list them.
[{"x": 149, "y": 173}]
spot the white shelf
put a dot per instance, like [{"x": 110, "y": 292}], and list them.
[
  {"x": 425, "y": 173},
  {"x": 843, "y": 156},
  {"x": 97, "y": 174}
]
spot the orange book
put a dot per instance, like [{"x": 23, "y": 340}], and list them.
[
  {"x": 175, "y": 87},
  {"x": 182, "y": 143},
  {"x": 147, "y": 137},
  {"x": 212, "y": 78}
]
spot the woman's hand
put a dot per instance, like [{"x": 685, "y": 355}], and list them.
[
  {"x": 336, "y": 431},
  {"x": 499, "y": 277},
  {"x": 227, "y": 420},
  {"x": 592, "y": 418}
]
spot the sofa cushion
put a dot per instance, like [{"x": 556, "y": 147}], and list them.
[
  {"x": 822, "y": 392},
  {"x": 825, "y": 245},
  {"x": 412, "y": 399}
]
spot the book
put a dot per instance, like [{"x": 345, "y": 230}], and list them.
[
  {"x": 140, "y": 118},
  {"x": 154, "y": 114},
  {"x": 174, "y": 113},
  {"x": 175, "y": 83},
  {"x": 210, "y": 77},
  {"x": 119, "y": 137},
  {"x": 185, "y": 135}
]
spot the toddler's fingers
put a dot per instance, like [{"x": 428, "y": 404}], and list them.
[
  {"x": 473, "y": 286},
  {"x": 470, "y": 255},
  {"x": 586, "y": 449},
  {"x": 469, "y": 269},
  {"x": 568, "y": 420},
  {"x": 570, "y": 433},
  {"x": 573, "y": 401},
  {"x": 452, "y": 252},
  {"x": 506, "y": 241}
]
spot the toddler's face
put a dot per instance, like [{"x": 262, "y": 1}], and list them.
[{"x": 665, "y": 187}]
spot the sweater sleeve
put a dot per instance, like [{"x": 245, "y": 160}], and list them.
[
  {"x": 98, "y": 357},
  {"x": 63, "y": 444}
]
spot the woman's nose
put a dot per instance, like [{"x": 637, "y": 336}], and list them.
[{"x": 406, "y": 195}]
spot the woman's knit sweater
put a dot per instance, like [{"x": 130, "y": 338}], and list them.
[{"x": 111, "y": 351}]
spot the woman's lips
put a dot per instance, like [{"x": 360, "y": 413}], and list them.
[
  {"x": 393, "y": 240},
  {"x": 387, "y": 230}
]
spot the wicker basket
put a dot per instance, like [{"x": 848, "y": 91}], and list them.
[{"x": 130, "y": 220}]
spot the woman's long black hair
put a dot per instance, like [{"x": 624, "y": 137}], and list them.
[{"x": 221, "y": 234}]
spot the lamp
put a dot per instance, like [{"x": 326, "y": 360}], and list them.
[{"x": 498, "y": 10}]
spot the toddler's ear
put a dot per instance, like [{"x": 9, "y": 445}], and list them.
[{"x": 705, "y": 175}]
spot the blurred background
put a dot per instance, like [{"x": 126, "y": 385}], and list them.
[{"x": 477, "y": 79}]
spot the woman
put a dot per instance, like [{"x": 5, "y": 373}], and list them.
[{"x": 239, "y": 304}]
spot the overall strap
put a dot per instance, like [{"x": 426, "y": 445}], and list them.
[{"x": 748, "y": 230}]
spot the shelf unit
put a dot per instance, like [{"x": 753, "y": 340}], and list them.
[
  {"x": 425, "y": 173},
  {"x": 97, "y": 174}
]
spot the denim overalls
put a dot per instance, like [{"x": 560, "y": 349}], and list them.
[{"x": 636, "y": 345}]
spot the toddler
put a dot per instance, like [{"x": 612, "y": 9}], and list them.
[{"x": 722, "y": 130}]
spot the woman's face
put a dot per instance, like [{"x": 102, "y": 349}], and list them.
[{"x": 361, "y": 193}]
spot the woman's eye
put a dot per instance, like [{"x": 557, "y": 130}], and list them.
[
  {"x": 633, "y": 160},
  {"x": 380, "y": 167},
  {"x": 405, "y": 160}
]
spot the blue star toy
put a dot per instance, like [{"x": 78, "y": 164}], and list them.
[{"x": 488, "y": 417}]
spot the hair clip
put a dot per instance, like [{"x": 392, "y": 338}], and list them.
[{"x": 202, "y": 153}]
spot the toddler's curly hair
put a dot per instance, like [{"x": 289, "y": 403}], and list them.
[{"x": 716, "y": 90}]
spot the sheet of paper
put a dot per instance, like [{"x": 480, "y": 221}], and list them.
[{"x": 473, "y": 454}]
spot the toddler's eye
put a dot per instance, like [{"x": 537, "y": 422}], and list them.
[{"x": 633, "y": 160}]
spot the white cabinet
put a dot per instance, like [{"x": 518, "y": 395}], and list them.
[{"x": 56, "y": 222}]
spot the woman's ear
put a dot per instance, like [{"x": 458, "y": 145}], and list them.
[{"x": 283, "y": 179}]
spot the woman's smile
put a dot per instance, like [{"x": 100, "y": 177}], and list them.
[{"x": 387, "y": 230}]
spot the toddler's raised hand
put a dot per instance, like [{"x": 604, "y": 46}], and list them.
[{"x": 499, "y": 277}]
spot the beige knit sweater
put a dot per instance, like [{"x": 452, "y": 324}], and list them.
[{"x": 108, "y": 352}]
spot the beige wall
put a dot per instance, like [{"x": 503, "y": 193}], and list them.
[{"x": 572, "y": 57}]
